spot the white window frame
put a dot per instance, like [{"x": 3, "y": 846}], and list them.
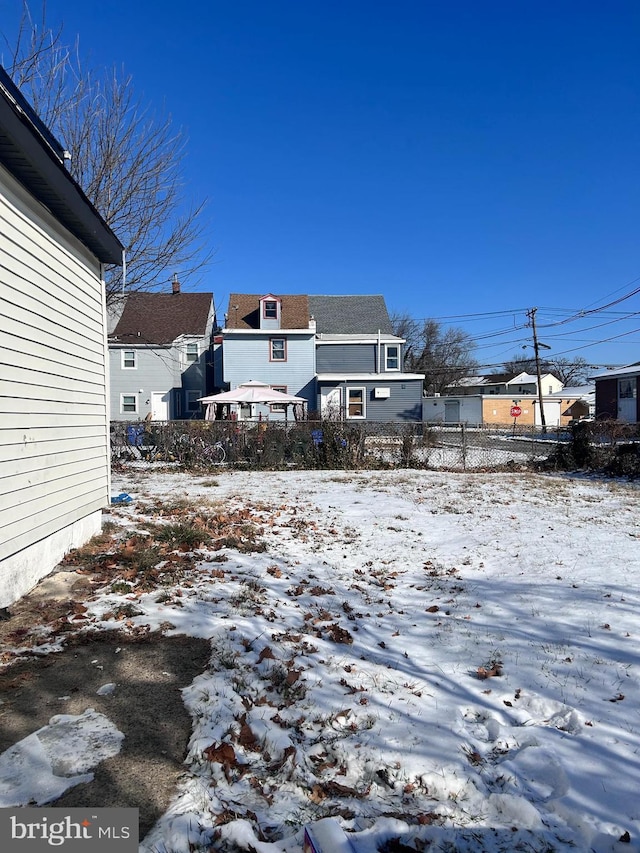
[
  {"x": 349, "y": 416},
  {"x": 191, "y": 401},
  {"x": 124, "y": 359},
  {"x": 387, "y": 357},
  {"x": 187, "y": 353},
  {"x": 133, "y": 411}
]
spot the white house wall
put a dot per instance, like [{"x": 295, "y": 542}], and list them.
[
  {"x": 470, "y": 409},
  {"x": 54, "y": 468}
]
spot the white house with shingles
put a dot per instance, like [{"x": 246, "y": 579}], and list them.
[{"x": 54, "y": 418}]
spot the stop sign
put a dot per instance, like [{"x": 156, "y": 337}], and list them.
[{"x": 515, "y": 411}]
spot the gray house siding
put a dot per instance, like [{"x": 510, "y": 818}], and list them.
[
  {"x": 346, "y": 358},
  {"x": 355, "y": 357},
  {"x": 404, "y": 402}
]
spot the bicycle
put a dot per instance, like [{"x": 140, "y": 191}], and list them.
[{"x": 214, "y": 454}]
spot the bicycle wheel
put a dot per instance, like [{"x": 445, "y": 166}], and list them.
[{"x": 218, "y": 453}]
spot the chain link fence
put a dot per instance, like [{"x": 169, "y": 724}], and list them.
[{"x": 336, "y": 444}]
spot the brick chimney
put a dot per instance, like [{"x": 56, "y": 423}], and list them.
[{"x": 175, "y": 284}]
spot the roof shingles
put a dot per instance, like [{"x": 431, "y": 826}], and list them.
[{"x": 160, "y": 318}]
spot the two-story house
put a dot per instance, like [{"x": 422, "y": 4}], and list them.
[
  {"x": 359, "y": 361},
  {"x": 160, "y": 351},
  {"x": 337, "y": 352}
]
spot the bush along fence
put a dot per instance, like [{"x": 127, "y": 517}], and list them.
[
  {"x": 609, "y": 447},
  {"x": 329, "y": 444}
]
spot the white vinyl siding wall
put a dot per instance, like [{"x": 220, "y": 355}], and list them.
[{"x": 54, "y": 460}]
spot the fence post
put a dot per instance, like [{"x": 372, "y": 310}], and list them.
[{"x": 463, "y": 445}]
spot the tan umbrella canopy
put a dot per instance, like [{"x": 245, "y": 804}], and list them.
[{"x": 249, "y": 392}]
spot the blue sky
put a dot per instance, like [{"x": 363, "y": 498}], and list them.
[{"x": 467, "y": 160}]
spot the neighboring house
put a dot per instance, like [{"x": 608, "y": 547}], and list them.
[
  {"x": 338, "y": 352},
  {"x": 515, "y": 384},
  {"x": 617, "y": 394},
  {"x": 359, "y": 362},
  {"x": 54, "y": 419},
  {"x": 160, "y": 350}
]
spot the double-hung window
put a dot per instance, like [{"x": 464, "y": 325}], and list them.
[
  {"x": 356, "y": 403},
  {"x": 270, "y": 309},
  {"x": 277, "y": 349},
  {"x": 129, "y": 359},
  {"x": 392, "y": 357},
  {"x": 128, "y": 404},
  {"x": 191, "y": 353}
]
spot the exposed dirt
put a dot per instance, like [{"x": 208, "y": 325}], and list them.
[{"x": 147, "y": 707}]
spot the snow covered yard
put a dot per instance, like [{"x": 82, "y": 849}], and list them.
[{"x": 440, "y": 661}]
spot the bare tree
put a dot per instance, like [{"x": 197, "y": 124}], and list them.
[
  {"x": 443, "y": 355},
  {"x": 127, "y": 160},
  {"x": 568, "y": 371}
]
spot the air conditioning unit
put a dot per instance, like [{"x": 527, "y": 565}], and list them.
[{"x": 381, "y": 393}]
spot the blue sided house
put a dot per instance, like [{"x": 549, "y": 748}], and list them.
[{"x": 338, "y": 352}]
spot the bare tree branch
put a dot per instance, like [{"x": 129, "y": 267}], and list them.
[
  {"x": 128, "y": 160},
  {"x": 443, "y": 355}
]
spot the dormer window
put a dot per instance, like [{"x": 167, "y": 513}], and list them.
[
  {"x": 270, "y": 309},
  {"x": 270, "y": 312}
]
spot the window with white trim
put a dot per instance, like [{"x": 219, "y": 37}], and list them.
[
  {"x": 193, "y": 404},
  {"x": 277, "y": 349},
  {"x": 191, "y": 353},
  {"x": 128, "y": 404},
  {"x": 129, "y": 361},
  {"x": 356, "y": 403},
  {"x": 392, "y": 357}
]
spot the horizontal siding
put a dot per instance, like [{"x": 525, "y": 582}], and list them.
[
  {"x": 16, "y": 446},
  {"x": 346, "y": 358},
  {"x": 247, "y": 358},
  {"x": 158, "y": 369},
  {"x": 54, "y": 465},
  {"x": 54, "y": 515},
  {"x": 403, "y": 404},
  {"x": 21, "y": 316}
]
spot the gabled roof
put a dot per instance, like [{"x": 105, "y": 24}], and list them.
[
  {"x": 350, "y": 315},
  {"x": 160, "y": 318},
  {"x": 34, "y": 158},
  {"x": 244, "y": 311}
]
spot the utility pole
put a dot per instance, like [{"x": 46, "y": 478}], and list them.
[{"x": 531, "y": 314}]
